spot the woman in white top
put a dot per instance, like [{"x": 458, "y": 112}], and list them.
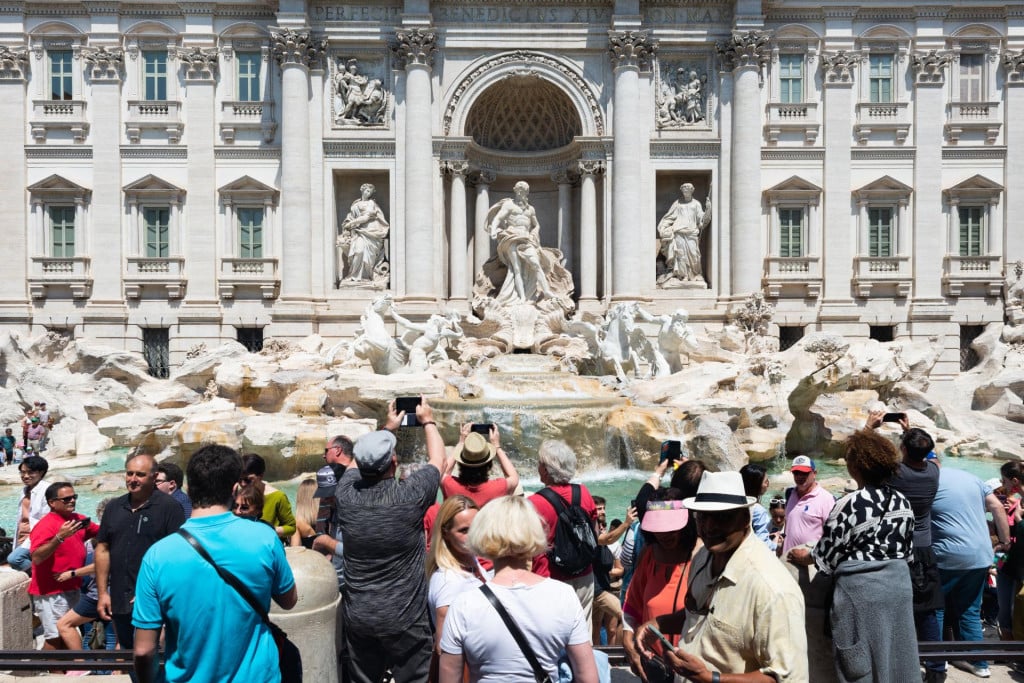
[
  {"x": 509, "y": 532},
  {"x": 452, "y": 568}
]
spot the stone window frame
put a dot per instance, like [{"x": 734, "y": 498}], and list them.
[
  {"x": 881, "y": 43},
  {"x": 246, "y": 192},
  {"x": 138, "y": 198},
  {"x": 146, "y": 39},
  {"x": 65, "y": 193},
  {"x": 42, "y": 43},
  {"x": 794, "y": 43},
  {"x": 975, "y": 191},
  {"x": 249, "y": 42},
  {"x": 988, "y": 47},
  {"x": 794, "y": 193},
  {"x": 875, "y": 195}
]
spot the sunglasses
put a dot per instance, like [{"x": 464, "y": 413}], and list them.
[
  {"x": 67, "y": 500},
  {"x": 247, "y": 479}
]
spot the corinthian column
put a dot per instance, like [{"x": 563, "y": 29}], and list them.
[
  {"x": 295, "y": 52},
  {"x": 415, "y": 48},
  {"x": 630, "y": 51},
  {"x": 481, "y": 238},
  {"x": 1013, "y": 62},
  {"x": 746, "y": 54},
  {"x": 13, "y": 78},
  {"x": 457, "y": 250},
  {"x": 589, "y": 170}
]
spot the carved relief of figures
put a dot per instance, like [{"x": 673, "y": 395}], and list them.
[
  {"x": 682, "y": 98},
  {"x": 363, "y": 234},
  {"x": 358, "y": 99},
  {"x": 679, "y": 233}
]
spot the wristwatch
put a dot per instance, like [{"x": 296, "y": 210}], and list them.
[
  {"x": 73, "y": 574},
  {"x": 716, "y": 677}
]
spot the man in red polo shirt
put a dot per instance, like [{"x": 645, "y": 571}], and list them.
[
  {"x": 57, "y": 544},
  {"x": 556, "y": 465}
]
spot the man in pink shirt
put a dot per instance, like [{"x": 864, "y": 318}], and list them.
[{"x": 807, "y": 507}]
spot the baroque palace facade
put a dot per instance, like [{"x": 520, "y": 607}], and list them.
[{"x": 185, "y": 172}]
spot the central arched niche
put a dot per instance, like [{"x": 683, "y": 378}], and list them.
[{"x": 523, "y": 114}]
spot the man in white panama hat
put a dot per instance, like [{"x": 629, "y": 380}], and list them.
[{"x": 743, "y": 618}]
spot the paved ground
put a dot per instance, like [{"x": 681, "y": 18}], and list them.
[{"x": 1000, "y": 674}]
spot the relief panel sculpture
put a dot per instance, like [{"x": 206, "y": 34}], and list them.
[
  {"x": 358, "y": 98},
  {"x": 682, "y": 94}
]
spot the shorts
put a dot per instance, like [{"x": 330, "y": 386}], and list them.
[
  {"x": 606, "y": 603},
  {"x": 51, "y": 608},
  {"x": 86, "y": 607}
]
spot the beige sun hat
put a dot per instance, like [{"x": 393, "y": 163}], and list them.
[{"x": 475, "y": 451}]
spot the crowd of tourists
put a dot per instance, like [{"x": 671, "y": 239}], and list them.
[
  {"x": 697, "y": 579},
  {"x": 34, "y": 430}
]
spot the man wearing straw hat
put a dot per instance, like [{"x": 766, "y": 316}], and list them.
[{"x": 743, "y": 618}]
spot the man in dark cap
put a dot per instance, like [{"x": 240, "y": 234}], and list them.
[{"x": 385, "y": 594}]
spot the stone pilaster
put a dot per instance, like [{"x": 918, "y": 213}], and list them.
[
  {"x": 928, "y": 247},
  {"x": 1013, "y": 245},
  {"x": 589, "y": 171},
  {"x": 481, "y": 238},
  {"x": 746, "y": 54},
  {"x": 630, "y": 52},
  {"x": 565, "y": 180},
  {"x": 13, "y": 92},
  {"x": 837, "y": 252},
  {"x": 296, "y": 52},
  {"x": 201, "y": 250},
  {"x": 105, "y": 68},
  {"x": 458, "y": 243}
]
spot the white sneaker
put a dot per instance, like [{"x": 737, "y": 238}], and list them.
[{"x": 981, "y": 671}]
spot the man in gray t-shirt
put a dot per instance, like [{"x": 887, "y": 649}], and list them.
[{"x": 385, "y": 594}]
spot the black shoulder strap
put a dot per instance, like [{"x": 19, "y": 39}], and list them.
[
  {"x": 575, "y": 488},
  {"x": 550, "y": 496},
  {"x": 538, "y": 672},
  {"x": 228, "y": 577}
]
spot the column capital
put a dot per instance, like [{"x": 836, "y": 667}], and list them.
[
  {"x": 200, "y": 63},
  {"x": 415, "y": 46},
  {"x": 482, "y": 177},
  {"x": 591, "y": 167},
  {"x": 106, "y": 62},
  {"x": 930, "y": 67},
  {"x": 297, "y": 47},
  {"x": 631, "y": 48},
  {"x": 1013, "y": 62},
  {"x": 746, "y": 49},
  {"x": 13, "y": 63},
  {"x": 838, "y": 67},
  {"x": 565, "y": 176},
  {"x": 455, "y": 167}
]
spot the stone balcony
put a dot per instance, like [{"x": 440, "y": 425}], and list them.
[
  {"x": 882, "y": 275},
  {"x": 873, "y": 117},
  {"x": 254, "y": 116},
  {"x": 50, "y": 272},
  {"x": 798, "y": 276},
  {"x": 972, "y": 275},
  {"x": 50, "y": 115},
  {"x": 800, "y": 118},
  {"x": 143, "y": 272},
  {"x": 974, "y": 117},
  {"x": 164, "y": 116},
  {"x": 248, "y": 273}
]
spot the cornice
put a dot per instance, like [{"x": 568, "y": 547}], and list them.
[
  {"x": 883, "y": 154},
  {"x": 685, "y": 150},
  {"x": 137, "y": 152},
  {"x": 974, "y": 153},
  {"x": 345, "y": 149},
  {"x": 232, "y": 152},
  {"x": 57, "y": 152},
  {"x": 794, "y": 154}
]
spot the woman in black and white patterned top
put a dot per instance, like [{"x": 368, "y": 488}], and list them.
[{"x": 866, "y": 545}]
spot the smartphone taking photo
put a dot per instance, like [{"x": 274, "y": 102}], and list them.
[
  {"x": 670, "y": 450},
  {"x": 481, "y": 428},
  {"x": 893, "y": 417},
  {"x": 408, "y": 404}
]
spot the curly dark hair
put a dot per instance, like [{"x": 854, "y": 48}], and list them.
[{"x": 872, "y": 456}]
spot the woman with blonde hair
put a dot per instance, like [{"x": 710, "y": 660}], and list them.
[
  {"x": 306, "y": 510},
  {"x": 452, "y": 568},
  {"x": 509, "y": 532}
]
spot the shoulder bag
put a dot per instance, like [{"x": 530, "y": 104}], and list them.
[
  {"x": 539, "y": 674},
  {"x": 288, "y": 653}
]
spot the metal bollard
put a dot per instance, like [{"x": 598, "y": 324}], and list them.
[{"x": 310, "y": 625}]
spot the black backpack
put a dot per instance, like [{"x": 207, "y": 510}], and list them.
[{"x": 574, "y": 547}]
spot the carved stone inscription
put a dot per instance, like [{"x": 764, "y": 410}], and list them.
[{"x": 527, "y": 13}]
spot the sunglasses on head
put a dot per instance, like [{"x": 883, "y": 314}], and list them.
[{"x": 777, "y": 501}]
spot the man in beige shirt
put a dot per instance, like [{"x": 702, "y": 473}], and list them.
[{"x": 743, "y": 619}]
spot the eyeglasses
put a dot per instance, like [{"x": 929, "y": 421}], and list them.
[
  {"x": 247, "y": 479},
  {"x": 777, "y": 501},
  {"x": 242, "y": 506},
  {"x": 67, "y": 500},
  {"x": 162, "y": 481}
]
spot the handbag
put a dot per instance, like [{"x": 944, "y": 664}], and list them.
[
  {"x": 288, "y": 654},
  {"x": 539, "y": 674}
]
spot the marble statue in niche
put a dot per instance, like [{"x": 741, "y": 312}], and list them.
[
  {"x": 682, "y": 98},
  {"x": 358, "y": 99},
  {"x": 532, "y": 272},
  {"x": 361, "y": 240},
  {"x": 679, "y": 234}
]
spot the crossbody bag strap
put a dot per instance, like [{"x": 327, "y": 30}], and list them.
[
  {"x": 228, "y": 577},
  {"x": 538, "y": 672}
]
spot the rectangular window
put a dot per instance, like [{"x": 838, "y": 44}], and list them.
[
  {"x": 249, "y": 76},
  {"x": 880, "y": 231},
  {"x": 250, "y": 232},
  {"x": 791, "y": 224},
  {"x": 970, "y": 78},
  {"x": 62, "y": 231},
  {"x": 971, "y": 219},
  {"x": 154, "y": 65},
  {"x": 60, "y": 75},
  {"x": 251, "y": 338},
  {"x": 156, "y": 347},
  {"x": 791, "y": 79},
  {"x": 157, "y": 232},
  {"x": 880, "y": 78}
]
